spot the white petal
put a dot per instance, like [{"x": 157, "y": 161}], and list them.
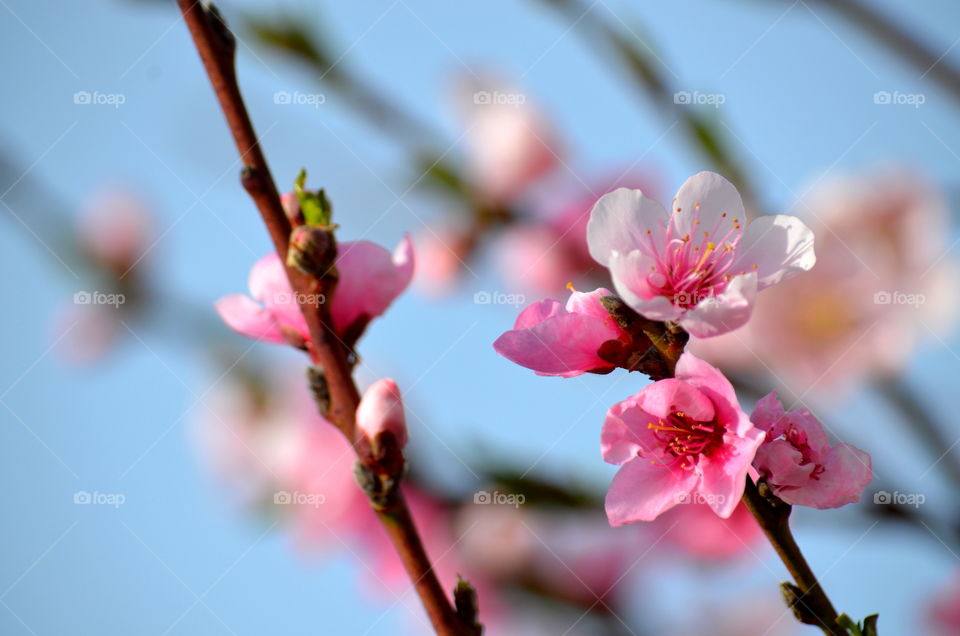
[
  {"x": 619, "y": 222},
  {"x": 776, "y": 247},
  {"x": 716, "y": 196},
  {"x": 724, "y": 312}
]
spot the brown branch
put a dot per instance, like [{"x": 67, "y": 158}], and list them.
[
  {"x": 807, "y": 599},
  {"x": 217, "y": 48}
]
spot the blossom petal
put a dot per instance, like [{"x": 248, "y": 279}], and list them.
[
  {"x": 619, "y": 221},
  {"x": 626, "y": 434},
  {"x": 847, "y": 471},
  {"x": 670, "y": 396},
  {"x": 716, "y": 197},
  {"x": 712, "y": 383},
  {"x": 538, "y": 312},
  {"x": 370, "y": 279},
  {"x": 269, "y": 284},
  {"x": 564, "y": 345},
  {"x": 589, "y": 303},
  {"x": 724, "y": 312},
  {"x": 725, "y": 474},
  {"x": 629, "y": 272},
  {"x": 776, "y": 247},
  {"x": 246, "y": 316},
  {"x": 641, "y": 491}
]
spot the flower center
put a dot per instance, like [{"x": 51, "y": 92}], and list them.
[
  {"x": 686, "y": 438},
  {"x": 694, "y": 266}
]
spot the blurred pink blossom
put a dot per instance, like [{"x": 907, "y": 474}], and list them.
[
  {"x": 698, "y": 531},
  {"x": 509, "y": 142},
  {"x": 553, "y": 339},
  {"x": 942, "y": 614},
  {"x": 680, "y": 440},
  {"x": 883, "y": 279},
  {"x": 116, "y": 229},
  {"x": 700, "y": 265},
  {"x": 799, "y": 463},
  {"x": 370, "y": 279}
]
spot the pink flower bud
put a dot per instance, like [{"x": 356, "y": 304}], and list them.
[{"x": 381, "y": 412}]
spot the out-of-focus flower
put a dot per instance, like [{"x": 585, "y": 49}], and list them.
[
  {"x": 680, "y": 440},
  {"x": 882, "y": 280},
  {"x": 87, "y": 332},
  {"x": 699, "y": 532},
  {"x": 509, "y": 142},
  {"x": 381, "y": 413},
  {"x": 441, "y": 252},
  {"x": 560, "y": 552},
  {"x": 553, "y": 339},
  {"x": 116, "y": 229},
  {"x": 799, "y": 463},
  {"x": 942, "y": 614},
  {"x": 370, "y": 279},
  {"x": 701, "y": 264}
]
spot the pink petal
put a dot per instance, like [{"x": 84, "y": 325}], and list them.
[
  {"x": 716, "y": 197},
  {"x": 381, "y": 411},
  {"x": 244, "y": 315},
  {"x": 768, "y": 415},
  {"x": 626, "y": 434},
  {"x": 370, "y": 279},
  {"x": 725, "y": 473},
  {"x": 667, "y": 397},
  {"x": 847, "y": 471},
  {"x": 588, "y": 303},
  {"x": 776, "y": 247},
  {"x": 269, "y": 284},
  {"x": 538, "y": 312},
  {"x": 780, "y": 461},
  {"x": 619, "y": 221},
  {"x": 712, "y": 383},
  {"x": 724, "y": 312},
  {"x": 629, "y": 272},
  {"x": 641, "y": 491},
  {"x": 564, "y": 345}
]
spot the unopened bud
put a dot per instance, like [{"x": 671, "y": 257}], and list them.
[
  {"x": 313, "y": 251},
  {"x": 381, "y": 424},
  {"x": 291, "y": 207}
]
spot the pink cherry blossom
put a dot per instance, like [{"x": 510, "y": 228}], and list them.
[
  {"x": 555, "y": 339},
  {"x": 381, "y": 411},
  {"x": 370, "y": 278},
  {"x": 700, "y": 265},
  {"x": 680, "y": 440},
  {"x": 800, "y": 465}
]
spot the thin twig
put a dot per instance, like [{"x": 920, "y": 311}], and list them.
[{"x": 217, "y": 48}]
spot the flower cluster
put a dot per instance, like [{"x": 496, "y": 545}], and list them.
[{"x": 695, "y": 269}]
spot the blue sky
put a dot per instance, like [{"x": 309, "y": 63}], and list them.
[{"x": 798, "y": 86}]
